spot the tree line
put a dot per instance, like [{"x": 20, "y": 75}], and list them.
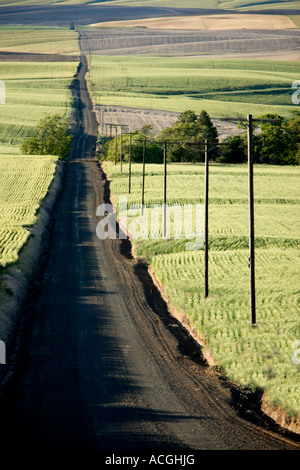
[{"x": 275, "y": 143}]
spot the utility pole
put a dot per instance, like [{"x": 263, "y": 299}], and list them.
[
  {"x": 116, "y": 143},
  {"x": 129, "y": 170},
  {"x": 206, "y": 201},
  {"x": 251, "y": 220},
  {"x": 121, "y": 150},
  {"x": 143, "y": 181},
  {"x": 206, "y": 221},
  {"x": 250, "y": 128},
  {"x": 165, "y": 188}
]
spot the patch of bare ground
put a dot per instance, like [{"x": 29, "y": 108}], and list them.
[
  {"x": 136, "y": 118},
  {"x": 244, "y": 43},
  {"x": 206, "y": 22}
]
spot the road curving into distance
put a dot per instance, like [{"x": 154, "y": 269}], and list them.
[{"x": 99, "y": 362}]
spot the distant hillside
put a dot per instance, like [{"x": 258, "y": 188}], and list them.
[{"x": 215, "y": 4}]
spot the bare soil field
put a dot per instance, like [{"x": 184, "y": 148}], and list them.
[
  {"x": 135, "y": 119},
  {"x": 279, "y": 43},
  {"x": 207, "y": 22}
]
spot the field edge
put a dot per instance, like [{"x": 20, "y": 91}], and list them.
[{"x": 18, "y": 276}]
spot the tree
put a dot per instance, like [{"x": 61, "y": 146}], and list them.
[
  {"x": 52, "y": 138},
  {"x": 235, "y": 151},
  {"x": 184, "y": 135},
  {"x": 154, "y": 153},
  {"x": 32, "y": 146},
  {"x": 293, "y": 131},
  {"x": 278, "y": 143},
  {"x": 270, "y": 144}
]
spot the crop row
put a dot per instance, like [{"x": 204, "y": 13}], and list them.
[
  {"x": 23, "y": 186},
  {"x": 33, "y": 91},
  {"x": 255, "y": 356},
  {"x": 260, "y": 356},
  {"x": 141, "y": 41},
  {"x": 11, "y": 242},
  {"x": 276, "y": 201},
  {"x": 179, "y": 84}
]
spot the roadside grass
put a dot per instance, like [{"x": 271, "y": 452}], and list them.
[
  {"x": 253, "y": 356},
  {"x": 220, "y": 86}
]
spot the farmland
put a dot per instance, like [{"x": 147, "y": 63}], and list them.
[
  {"x": 245, "y": 43},
  {"x": 234, "y": 4},
  {"x": 58, "y": 41},
  {"x": 174, "y": 84},
  {"x": 259, "y": 356},
  {"x": 206, "y": 22},
  {"x": 33, "y": 90},
  {"x": 84, "y": 284},
  {"x": 42, "y": 13},
  {"x": 24, "y": 182}
]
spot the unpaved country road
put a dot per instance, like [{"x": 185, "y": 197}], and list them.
[{"x": 98, "y": 367}]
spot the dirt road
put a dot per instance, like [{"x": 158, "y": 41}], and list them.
[{"x": 100, "y": 363}]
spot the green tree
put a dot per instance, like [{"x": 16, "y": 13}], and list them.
[
  {"x": 32, "y": 146},
  {"x": 52, "y": 138},
  {"x": 235, "y": 151},
  {"x": 293, "y": 144},
  {"x": 186, "y": 133},
  {"x": 154, "y": 153},
  {"x": 278, "y": 143},
  {"x": 270, "y": 144}
]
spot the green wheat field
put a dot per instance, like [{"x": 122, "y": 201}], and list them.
[
  {"x": 255, "y": 356},
  {"x": 23, "y": 186},
  {"x": 33, "y": 90},
  {"x": 220, "y": 86}
]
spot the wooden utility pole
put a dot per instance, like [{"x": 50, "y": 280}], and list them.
[
  {"x": 206, "y": 200},
  {"x": 121, "y": 150},
  {"x": 129, "y": 170},
  {"x": 143, "y": 181},
  {"x": 165, "y": 188},
  {"x": 116, "y": 143},
  {"x": 251, "y": 220},
  {"x": 206, "y": 221},
  {"x": 250, "y": 128}
]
